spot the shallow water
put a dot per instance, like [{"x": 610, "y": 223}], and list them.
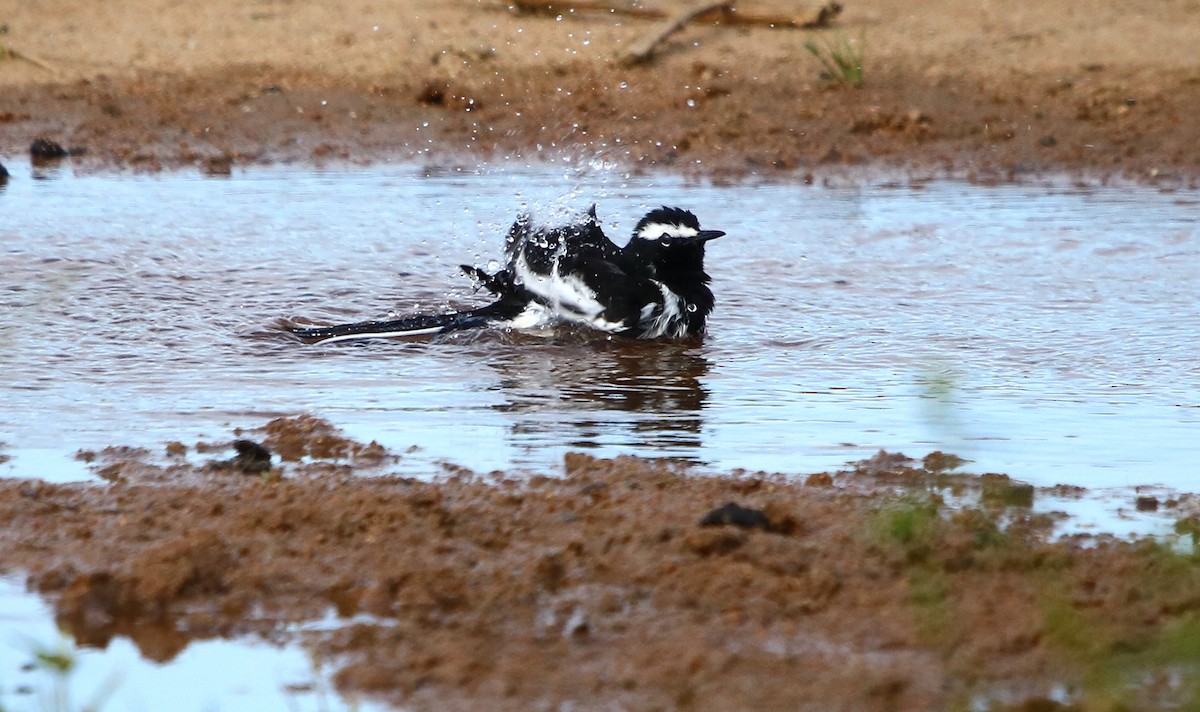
[
  {"x": 248, "y": 674},
  {"x": 1040, "y": 330}
]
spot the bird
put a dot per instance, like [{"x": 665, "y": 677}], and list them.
[{"x": 653, "y": 287}]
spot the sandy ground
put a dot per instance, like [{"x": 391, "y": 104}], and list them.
[
  {"x": 601, "y": 589},
  {"x": 984, "y": 90}
]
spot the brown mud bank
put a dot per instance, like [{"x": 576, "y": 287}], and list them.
[
  {"x": 991, "y": 91},
  {"x": 622, "y": 583}
]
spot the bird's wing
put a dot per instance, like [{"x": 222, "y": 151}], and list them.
[
  {"x": 578, "y": 274},
  {"x": 588, "y": 286},
  {"x": 538, "y": 249},
  {"x": 592, "y": 236},
  {"x": 499, "y": 284}
]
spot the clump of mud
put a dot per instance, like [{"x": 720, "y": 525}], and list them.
[{"x": 307, "y": 436}]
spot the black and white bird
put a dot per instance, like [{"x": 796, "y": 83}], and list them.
[{"x": 653, "y": 287}]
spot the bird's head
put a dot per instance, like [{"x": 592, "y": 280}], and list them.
[
  {"x": 671, "y": 239},
  {"x": 673, "y": 227}
]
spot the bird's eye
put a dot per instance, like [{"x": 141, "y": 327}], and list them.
[{"x": 663, "y": 242}]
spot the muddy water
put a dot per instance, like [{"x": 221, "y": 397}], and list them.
[{"x": 1040, "y": 330}]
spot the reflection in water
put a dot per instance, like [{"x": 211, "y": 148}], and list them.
[
  {"x": 94, "y": 622},
  {"x": 113, "y": 672},
  {"x": 46, "y": 170},
  {"x": 647, "y": 396}
]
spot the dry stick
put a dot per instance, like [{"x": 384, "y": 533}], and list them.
[
  {"x": 562, "y": 7},
  {"x": 644, "y": 50},
  {"x": 10, "y": 52},
  {"x": 722, "y": 13},
  {"x": 733, "y": 16}
]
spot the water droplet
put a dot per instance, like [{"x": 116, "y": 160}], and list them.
[
  {"x": 691, "y": 103},
  {"x": 624, "y": 85}
]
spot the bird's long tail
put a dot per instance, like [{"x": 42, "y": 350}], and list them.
[
  {"x": 420, "y": 325},
  {"x": 511, "y": 300}
]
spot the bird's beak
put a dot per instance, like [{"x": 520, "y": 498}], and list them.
[{"x": 706, "y": 235}]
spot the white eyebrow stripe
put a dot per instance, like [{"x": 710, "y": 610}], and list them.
[{"x": 654, "y": 231}]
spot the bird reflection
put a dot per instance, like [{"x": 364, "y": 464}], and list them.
[{"x": 641, "y": 396}]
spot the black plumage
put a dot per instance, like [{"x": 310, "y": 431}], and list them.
[{"x": 653, "y": 287}]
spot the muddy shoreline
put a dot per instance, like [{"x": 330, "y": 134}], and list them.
[
  {"x": 1095, "y": 131},
  {"x": 991, "y": 96},
  {"x": 894, "y": 584}
]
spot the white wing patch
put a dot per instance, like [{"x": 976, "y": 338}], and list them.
[
  {"x": 566, "y": 296},
  {"x": 667, "y": 321},
  {"x": 657, "y": 231},
  {"x": 533, "y": 316}
]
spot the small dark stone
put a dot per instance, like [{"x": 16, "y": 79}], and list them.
[
  {"x": 252, "y": 458},
  {"x": 736, "y": 515},
  {"x": 1147, "y": 504},
  {"x": 433, "y": 94},
  {"x": 1047, "y": 141},
  {"x": 3, "y": 173},
  {"x": 45, "y": 149}
]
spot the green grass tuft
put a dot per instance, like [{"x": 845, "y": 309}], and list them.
[
  {"x": 910, "y": 521},
  {"x": 60, "y": 662},
  {"x": 841, "y": 58}
]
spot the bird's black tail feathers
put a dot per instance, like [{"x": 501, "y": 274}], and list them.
[
  {"x": 511, "y": 301},
  {"x": 420, "y": 325}
]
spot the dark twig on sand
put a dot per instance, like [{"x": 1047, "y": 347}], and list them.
[
  {"x": 40, "y": 63},
  {"x": 644, "y": 50},
  {"x": 720, "y": 13}
]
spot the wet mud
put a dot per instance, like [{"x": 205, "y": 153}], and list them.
[
  {"x": 995, "y": 94},
  {"x": 895, "y": 584}
]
